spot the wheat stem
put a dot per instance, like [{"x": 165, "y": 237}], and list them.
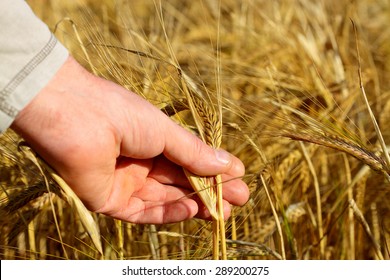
[
  {"x": 221, "y": 218},
  {"x": 276, "y": 217},
  {"x": 373, "y": 119},
  {"x": 83, "y": 48},
  {"x": 359, "y": 215}
]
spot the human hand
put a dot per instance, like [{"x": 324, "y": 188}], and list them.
[{"x": 121, "y": 155}]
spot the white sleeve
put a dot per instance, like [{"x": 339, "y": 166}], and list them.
[{"x": 30, "y": 55}]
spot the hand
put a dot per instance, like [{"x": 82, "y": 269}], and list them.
[{"x": 121, "y": 155}]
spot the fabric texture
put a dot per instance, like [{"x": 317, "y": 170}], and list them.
[{"x": 30, "y": 55}]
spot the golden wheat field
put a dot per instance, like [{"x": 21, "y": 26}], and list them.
[{"x": 304, "y": 91}]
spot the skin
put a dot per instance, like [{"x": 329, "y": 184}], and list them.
[{"x": 121, "y": 155}]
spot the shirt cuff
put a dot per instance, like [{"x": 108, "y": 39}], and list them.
[{"x": 31, "y": 79}]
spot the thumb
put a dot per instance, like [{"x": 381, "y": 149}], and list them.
[{"x": 188, "y": 151}]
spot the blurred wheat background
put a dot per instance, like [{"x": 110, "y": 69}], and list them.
[{"x": 293, "y": 110}]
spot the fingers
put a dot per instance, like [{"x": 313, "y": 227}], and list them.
[
  {"x": 158, "y": 203},
  {"x": 169, "y": 173},
  {"x": 204, "y": 214},
  {"x": 155, "y": 203},
  {"x": 149, "y": 212},
  {"x": 235, "y": 191},
  {"x": 164, "y": 171},
  {"x": 159, "y": 212},
  {"x": 187, "y": 150}
]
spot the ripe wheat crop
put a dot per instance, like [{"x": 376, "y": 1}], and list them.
[{"x": 295, "y": 89}]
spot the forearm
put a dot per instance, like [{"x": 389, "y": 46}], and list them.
[{"x": 29, "y": 57}]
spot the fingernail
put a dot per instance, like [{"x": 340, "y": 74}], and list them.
[{"x": 223, "y": 156}]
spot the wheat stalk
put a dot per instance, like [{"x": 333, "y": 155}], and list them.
[{"x": 360, "y": 217}]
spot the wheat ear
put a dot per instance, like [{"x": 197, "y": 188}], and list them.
[
  {"x": 337, "y": 143},
  {"x": 209, "y": 190}
]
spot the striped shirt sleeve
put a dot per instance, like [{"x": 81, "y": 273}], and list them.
[{"x": 30, "y": 55}]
